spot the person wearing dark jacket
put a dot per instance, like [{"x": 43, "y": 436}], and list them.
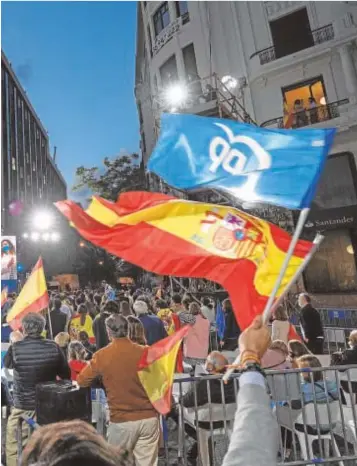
[
  {"x": 231, "y": 330},
  {"x": 99, "y": 328},
  {"x": 200, "y": 395},
  {"x": 58, "y": 320},
  {"x": 154, "y": 328},
  {"x": 311, "y": 325},
  {"x": 34, "y": 360}
]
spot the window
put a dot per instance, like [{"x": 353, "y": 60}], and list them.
[
  {"x": 161, "y": 18},
  {"x": 189, "y": 59},
  {"x": 13, "y": 163},
  {"x": 305, "y": 103},
  {"x": 21, "y": 172},
  {"x": 337, "y": 186},
  {"x": 33, "y": 166},
  {"x": 27, "y": 157},
  {"x": 28, "y": 180},
  {"x": 291, "y": 33},
  {"x": 168, "y": 72},
  {"x": 182, "y": 10},
  {"x": 333, "y": 267}
]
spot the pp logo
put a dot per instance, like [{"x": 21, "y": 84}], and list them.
[{"x": 233, "y": 160}]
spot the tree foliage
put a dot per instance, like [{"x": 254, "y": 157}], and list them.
[{"x": 124, "y": 173}]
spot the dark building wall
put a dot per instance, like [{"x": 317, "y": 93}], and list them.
[{"x": 28, "y": 172}]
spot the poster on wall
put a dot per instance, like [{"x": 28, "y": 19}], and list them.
[{"x": 8, "y": 258}]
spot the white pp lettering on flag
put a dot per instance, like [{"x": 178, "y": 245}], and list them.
[{"x": 233, "y": 160}]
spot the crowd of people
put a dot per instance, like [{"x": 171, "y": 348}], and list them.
[{"x": 93, "y": 336}]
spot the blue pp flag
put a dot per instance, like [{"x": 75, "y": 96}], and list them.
[
  {"x": 276, "y": 166},
  {"x": 220, "y": 321}
]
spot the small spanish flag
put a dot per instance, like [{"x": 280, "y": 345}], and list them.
[
  {"x": 4, "y": 293},
  {"x": 156, "y": 369},
  {"x": 32, "y": 298}
]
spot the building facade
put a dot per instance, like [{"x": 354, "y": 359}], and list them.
[
  {"x": 273, "y": 64},
  {"x": 29, "y": 174}
]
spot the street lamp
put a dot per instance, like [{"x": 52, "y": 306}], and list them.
[
  {"x": 230, "y": 82},
  {"x": 176, "y": 95},
  {"x": 35, "y": 236},
  {"x": 42, "y": 220},
  {"x": 100, "y": 262},
  {"x": 55, "y": 236}
]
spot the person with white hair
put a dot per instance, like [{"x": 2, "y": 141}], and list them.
[
  {"x": 15, "y": 336},
  {"x": 153, "y": 326}
]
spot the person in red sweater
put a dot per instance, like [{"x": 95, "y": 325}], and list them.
[{"x": 77, "y": 355}]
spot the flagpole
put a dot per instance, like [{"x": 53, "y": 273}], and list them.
[
  {"x": 316, "y": 244},
  {"x": 49, "y": 323},
  {"x": 300, "y": 225}
]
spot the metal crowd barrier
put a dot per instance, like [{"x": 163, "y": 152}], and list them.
[
  {"x": 344, "y": 318},
  {"x": 315, "y": 428}
]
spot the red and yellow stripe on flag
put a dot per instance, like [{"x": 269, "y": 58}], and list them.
[
  {"x": 156, "y": 369},
  {"x": 32, "y": 298},
  {"x": 170, "y": 236},
  {"x": 4, "y": 293}
]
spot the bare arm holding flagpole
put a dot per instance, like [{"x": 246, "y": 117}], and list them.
[{"x": 316, "y": 243}]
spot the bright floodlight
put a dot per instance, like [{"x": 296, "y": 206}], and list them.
[
  {"x": 229, "y": 82},
  {"x": 55, "y": 236},
  {"x": 35, "y": 236},
  {"x": 176, "y": 94},
  {"x": 42, "y": 220},
  {"x": 46, "y": 236},
  {"x": 25, "y": 235}
]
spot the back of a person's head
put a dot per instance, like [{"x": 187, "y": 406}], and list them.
[
  {"x": 280, "y": 314},
  {"x": 110, "y": 307},
  {"x": 310, "y": 361},
  {"x": 136, "y": 330},
  {"x": 97, "y": 298},
  {"x": 82, "y": 309},
  {"x": 206, "y": 302},
  {"x": 176, "y": 298},
  {"x": 62, "y": 339},
  {"x": 186, "y": 302},
  {"x": 353, "y": 338},
  {"x": 33, "y": 324},
  {"x": 216, "y": 362},
  {"x": 57, "y": 304},
  {"x": 125, "y": 308},
  {"x": 83, "y": 336},
  {"x": 73, "y": 443},
  {"x": 297, "y": 349},
  {"x": 227, "y": 305},
  {"x": 76, "y": 350},
  {"x": 161, "y": 304},
  {"x": 140, "y": 307},
  {"x": 15, "y": 336},
  {"x": 194, "y": 309},
  {"x": 117, "y": 326},
  {"x": 280, "y": 345},
  {"x": 124, "y": 299}
]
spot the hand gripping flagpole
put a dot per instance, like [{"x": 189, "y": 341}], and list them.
[{"x": 269, "y": 305}]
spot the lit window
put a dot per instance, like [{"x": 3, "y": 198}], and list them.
[
  {"x": 33, "y": 166},
  {"x": 161, "y": 18},
  {"x": 13, "y": 163}
]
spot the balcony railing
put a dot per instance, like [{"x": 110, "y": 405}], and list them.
[
  {"x": 323, "y": 34},
  {"x": 167, "y": 34},
  {"x": 309, "y": 117}
]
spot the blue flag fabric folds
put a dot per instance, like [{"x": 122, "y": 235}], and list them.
[
  {"x": 220, "y": 321},
  {"x": 276, "y": 166}
]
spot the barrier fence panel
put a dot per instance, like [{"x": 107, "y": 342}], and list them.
[{"x": 315, "y": 410}]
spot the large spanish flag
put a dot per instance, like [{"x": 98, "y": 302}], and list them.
[
  {"x": 156, "y": 369},
  {"x": 170, "y": 236},
  {"x": 32, "y": 298}
]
